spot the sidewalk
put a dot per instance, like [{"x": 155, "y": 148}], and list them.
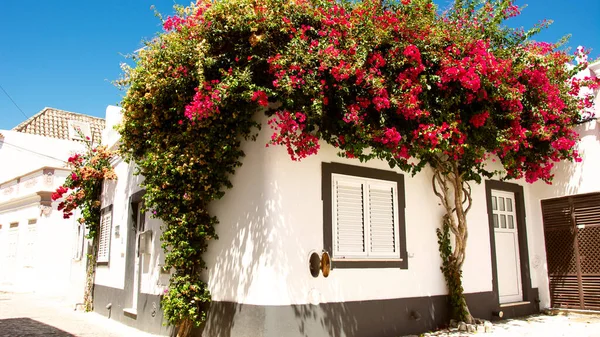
[
  {"x": 33, "y": 316},
  {"x": 565, "y": 324}
]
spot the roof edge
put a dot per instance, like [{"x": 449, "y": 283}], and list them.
[{"x": 28, "y": 120}]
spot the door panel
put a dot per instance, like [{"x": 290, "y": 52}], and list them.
[
  {"x": 508, "y": 272},
  {"x": 508, "y": 263}
]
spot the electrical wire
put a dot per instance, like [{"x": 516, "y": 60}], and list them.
[
  {"x": 13, "y": 101},
  {"x": 34, "y": 152}
]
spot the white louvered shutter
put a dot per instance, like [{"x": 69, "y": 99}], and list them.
[
  {"x": 104, "y": 237},
  {"x": 348, "y": 217},
  {"x": 383, "y": 219}
]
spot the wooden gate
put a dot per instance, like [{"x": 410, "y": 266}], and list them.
[{"x": 572, "y": 232}]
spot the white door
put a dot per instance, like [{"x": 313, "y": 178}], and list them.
[
  {"x": 504, "y": 216},
  {"x": 140, "y": 224}
]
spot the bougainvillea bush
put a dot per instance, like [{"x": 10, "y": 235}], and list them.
[
  {"x": 393, "y": 81},
  {"x": 81, "y": 190}
]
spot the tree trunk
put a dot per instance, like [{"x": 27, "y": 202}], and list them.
[
  {"x": 184, "y": 329},
  {"x": 455, "y": 195},
  {"x": 88, "y": 295}
]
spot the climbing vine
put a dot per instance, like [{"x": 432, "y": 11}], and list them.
[
  {"x": 452, "y": 274},
  {"x": 388, "y": 80},
  {"x": 82, "y": 189}
]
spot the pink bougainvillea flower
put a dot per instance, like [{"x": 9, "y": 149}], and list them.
[{"x": 260, "y": 97}]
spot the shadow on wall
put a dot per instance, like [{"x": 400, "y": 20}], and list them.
[
  {"x": 334, "y": 318},
  {"x": 251, "y": 255},
  {"x": 371, "y": 318},
  {"x": 261, "y": 247},
  {"x": 261, "y": 256},
  {"x": 29, "y": 327}
]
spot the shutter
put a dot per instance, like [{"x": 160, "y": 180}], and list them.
[
  {"x": 383, "y": 224},
  {"x": 104, "y": 236},
  {"x": 349, "y": 219}
]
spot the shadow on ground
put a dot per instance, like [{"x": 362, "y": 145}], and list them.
[{"x": 27, "y": 327}]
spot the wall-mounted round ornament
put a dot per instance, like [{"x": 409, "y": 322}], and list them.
[
  {"x": 325, "y": 264},
  {"x": 314, "y": 264}
]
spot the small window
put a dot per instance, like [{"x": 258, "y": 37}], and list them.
[
  {"x": 364, "y": 217},
  {"x": 104, "y": 235},
  {"x": 79, "y": 130}
]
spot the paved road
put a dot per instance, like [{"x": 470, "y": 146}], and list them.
[{"x": 27, "y": 315}]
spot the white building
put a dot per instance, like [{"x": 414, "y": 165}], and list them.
[
  {"x": 39, "y": 250},
  {"x": 386, "y": 278}
]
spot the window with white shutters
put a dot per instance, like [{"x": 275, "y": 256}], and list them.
[
  {"x": 364, "y": 224},
  {"x": 365, "y": 218},
  {"x": 104, "y": 235}
]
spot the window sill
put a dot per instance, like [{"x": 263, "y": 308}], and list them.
[{"x": 369, "y": 263}]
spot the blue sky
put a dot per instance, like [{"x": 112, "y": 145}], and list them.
[{"x": 66, "y": 56}]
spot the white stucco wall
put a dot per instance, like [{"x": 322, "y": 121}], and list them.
[{"x": 271, "y": 220}]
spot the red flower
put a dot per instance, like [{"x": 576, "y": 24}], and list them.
[
  {"x": 261, "y": 97},
  {"x": 479, "y": 119},
  {"x": 75, "y": 158},
  {"x": 412, "y": 53}
]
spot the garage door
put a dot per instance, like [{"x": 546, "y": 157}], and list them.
[{"x": 572, "y": 233}]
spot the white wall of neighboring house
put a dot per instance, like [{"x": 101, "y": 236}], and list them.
[
  {"x": 21, "y": 153},
  {"x": 117, "y": 193},
  {"x": 38, "y": 258}
]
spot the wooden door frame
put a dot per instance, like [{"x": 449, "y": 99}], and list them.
[{"x": 529, "y": 294}]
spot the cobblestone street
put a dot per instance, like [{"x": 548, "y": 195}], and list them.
[{"x": 26, "y": 315}]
